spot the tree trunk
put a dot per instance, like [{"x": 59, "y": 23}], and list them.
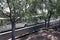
[
  {"x": 49, "y": 17},
  {"x": 12, "y": 21},
  {"x": 48, "y": 22},
  {"x": 13, "y": 29},
  {"x": 45, "y": 22}
]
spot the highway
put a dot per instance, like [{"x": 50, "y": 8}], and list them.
[
  {"x": 21, "y": 25},
  {"x": 20, "y": 32},
  {"x": 25, "y": 30},
  {"x": 8, "y": 27}
]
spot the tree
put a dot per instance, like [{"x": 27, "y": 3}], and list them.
[
  {"x": 15, "y": 12},
  {"x": 12, "y": 21},
  {"x": 50, "y": 6},
  {"x": 17, "y": 9}
]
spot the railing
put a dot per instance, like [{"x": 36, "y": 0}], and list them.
[{"x": 23, "y": 31}]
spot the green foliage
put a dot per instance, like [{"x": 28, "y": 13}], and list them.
[
  {"x": 20, "y": 9},
  {"x": 58, "y": 7}
]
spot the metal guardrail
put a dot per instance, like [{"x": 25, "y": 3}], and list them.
[
  {"x": 23, "y": 31},
  {"x": 20, "y": 32}
]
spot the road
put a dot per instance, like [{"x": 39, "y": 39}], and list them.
[
  {"x": 22, "y": 31},
  {"x": 21, "y": 25},
  {"x": 8, "y": 27}
]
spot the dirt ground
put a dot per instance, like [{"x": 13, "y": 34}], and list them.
[{"x": 43, "y": 35}]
